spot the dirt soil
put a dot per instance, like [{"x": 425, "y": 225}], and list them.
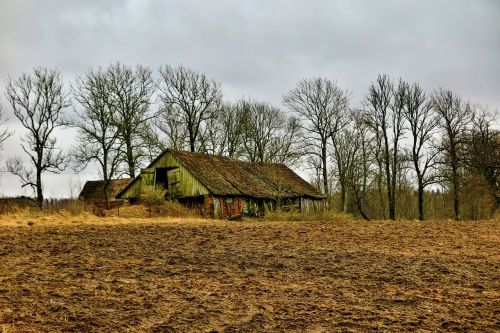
[{"x": 154, "y": 276}]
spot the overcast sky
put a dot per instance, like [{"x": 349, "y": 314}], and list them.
[{"x": 257, "y": 49}]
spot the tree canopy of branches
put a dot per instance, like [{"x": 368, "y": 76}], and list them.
[
  {"x": 223, "y": 133},
  {"x": 130, "y": 93},
  {"x": 320, "y": 105},
  {"x": 189, "y": 97},
  {"x": 385, "y": 104},
  {"x": 98, "y": 136},
  {"x": 422, "y": 123},
  {"x": 38, "y": 101},
  {"x": 347, "y": 145},
  {"x": 358, "y": 163},
  {"x": 268, "y": 134},
  {"x": 482, "y": 153},
  {"x": 454, "y": 117}
]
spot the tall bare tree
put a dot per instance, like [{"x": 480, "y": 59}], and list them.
[
  {"x": 38, "y": 101},
  {"x": 98, "y": 137},
  {"x": 358, "y": 172},
  {"x": 192, "y": 96},
  {"x": 385, "y": 104},
  {"x": 320, "y": 105},
  {"x": 345, "y": 147},
  {"x": 422, "y": 123},
  {"x": 482, "y": 153},
  {"x": 454, "y": 116},
  {"x": 130, "y": 93}
]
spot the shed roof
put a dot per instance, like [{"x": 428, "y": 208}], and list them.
[
  {"x": 93, "y": 190},
  {"x": 227, "y": 176}
]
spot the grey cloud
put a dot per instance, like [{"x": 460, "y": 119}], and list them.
[{"x": 261, "y": 49}]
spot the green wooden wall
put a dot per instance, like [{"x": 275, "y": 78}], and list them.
[{"x": 187, "y": 186}]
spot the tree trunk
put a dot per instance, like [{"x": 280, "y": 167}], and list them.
[
  {"x": 387, "y": 167},
  {"x": 392, "y": 201},
  {"x": 39, "y": 192},
  {"x": 130, "y": 161},
  {"x": 389, "y": 192},
  {"x": 380, "y": 192},
  {"x": 360, "y": 208},
  {"x": 362, "y": 212},
  {"x": 456, "y": 199},
  {"x": 455, "y": 182},
  {"x": 420, "y": 200},
  {"x": 325, "y": 170},
  {"x": 191, "y": 138}
]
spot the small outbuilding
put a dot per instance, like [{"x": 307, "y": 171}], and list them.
[
  {"x": 93, "y": 190},
  {"x": 224, "y": 187}
]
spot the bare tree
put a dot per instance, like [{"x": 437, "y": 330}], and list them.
[
  {"x": 385, "y": 117},
  {"x": 359, "y": 170},
  {"x": 212, "y": 137},
  {"x": 154, "y": 140},
  {"x": 379, "y": 157},
  {"x": 231, "y": 118},
  {"x": 345, "y": 146},
  {"x": 454, "y": 116},
  {"x": 169, "y": 123},
  {"x": 130, "y": 93},
  {"x": 223, "y": 133},
  {"x": 98, "y": 137},
  {"x": 262, "y": 124},
  {"x": 482, "y": 153},
  {"x": 422, "y": 124},
  {"x": 288, "y": 146},
  {"x": 192, "y": 96},
  {"x": 38, "y": 101},
  {"x": 320, "y": 104}
]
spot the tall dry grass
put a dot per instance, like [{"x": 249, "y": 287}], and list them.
[{"x": 80, "y": 213}]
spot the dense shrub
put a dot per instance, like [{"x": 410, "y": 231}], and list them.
[{"x": 153, "y": 195}]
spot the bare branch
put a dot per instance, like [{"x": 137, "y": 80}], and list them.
[{"x": 38, "y": 101}]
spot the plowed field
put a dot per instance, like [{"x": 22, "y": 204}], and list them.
[{"x": 149, "y": 275}]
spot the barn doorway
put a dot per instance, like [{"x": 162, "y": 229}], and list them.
[{"x": 162, "y": 177}]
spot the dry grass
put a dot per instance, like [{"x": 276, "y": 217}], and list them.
[
  {"x": 166, "y": 209},
  {"x": 84, "y": 273},
  {"x": 123, "y": 215},
  {"x": 295, "y": 215}
]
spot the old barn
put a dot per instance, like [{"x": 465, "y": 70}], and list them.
[{"x": 221, "y": 186}]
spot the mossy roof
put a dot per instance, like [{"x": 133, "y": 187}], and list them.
[{"x": 231, "y": 177}]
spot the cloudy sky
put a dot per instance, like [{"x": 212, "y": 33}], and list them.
[{"x": 257, "y": 49}]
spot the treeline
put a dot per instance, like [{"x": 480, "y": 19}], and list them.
[{"x": 403, "y": 153}]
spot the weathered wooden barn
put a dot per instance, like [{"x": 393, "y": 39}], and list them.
[
  {"x": 93, "y": 190},
  {"x": 221, "y": 186}
]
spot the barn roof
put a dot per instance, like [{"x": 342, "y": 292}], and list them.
[
  {"x": 93, "y": 190},
  {"x": 227, "y": 176}
]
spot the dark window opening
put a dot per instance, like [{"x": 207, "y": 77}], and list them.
[{"x": 162, "y": 177}]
